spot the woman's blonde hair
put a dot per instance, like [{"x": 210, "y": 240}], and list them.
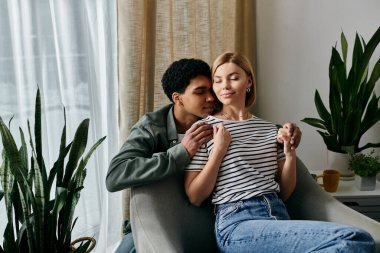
[{"x": 242, "y": 62}]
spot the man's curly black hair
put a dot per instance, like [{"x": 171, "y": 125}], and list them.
[{"x": 177, "y": 77}]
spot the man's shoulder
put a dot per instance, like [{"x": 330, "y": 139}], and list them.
[{"x": 158, "y": 117}]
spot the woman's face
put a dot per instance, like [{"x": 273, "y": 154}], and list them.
[{"x": 230, "y": 84}]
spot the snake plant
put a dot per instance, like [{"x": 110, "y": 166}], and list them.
[
  {"x": 37, "y": 222},
  {"x": 354, "y": 106}
]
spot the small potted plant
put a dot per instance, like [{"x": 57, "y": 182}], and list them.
[{"x": 365, "y": 167}]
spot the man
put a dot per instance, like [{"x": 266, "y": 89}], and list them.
[{"x": 151, "y": 153}]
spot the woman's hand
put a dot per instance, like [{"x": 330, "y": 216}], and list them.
[
  {"x": 294, "y": 132},
  {"x": 287, "y": 168},
  {"x": 200, "y": 184},
  {"x": 222, "y": 139},
  {"x": 284, "y": 135}
]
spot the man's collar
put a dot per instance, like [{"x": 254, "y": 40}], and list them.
[{"x": 171, "y": 126}]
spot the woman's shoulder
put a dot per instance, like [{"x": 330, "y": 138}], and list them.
[
  {"x": 210, "y": 120},
  {"x": 263, "y": 122}
]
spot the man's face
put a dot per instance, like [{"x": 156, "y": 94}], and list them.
[{"x": 197, "y": 100}]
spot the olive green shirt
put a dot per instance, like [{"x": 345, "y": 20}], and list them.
[{"x": 149, "y": 154}]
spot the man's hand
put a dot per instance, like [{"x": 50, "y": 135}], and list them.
[
  {"x": 196, "y": 136},
  {"x": 294, "y": 133}
]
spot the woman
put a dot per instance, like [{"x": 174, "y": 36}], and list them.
[{"x": 250, "y": 176}]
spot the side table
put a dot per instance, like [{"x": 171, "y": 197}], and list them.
[{"x": 365, "y": 202}]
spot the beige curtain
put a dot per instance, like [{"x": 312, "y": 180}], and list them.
[{"x": 152, "y": 34}]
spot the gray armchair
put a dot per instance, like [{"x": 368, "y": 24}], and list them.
[{"x": 163, "y": 220}]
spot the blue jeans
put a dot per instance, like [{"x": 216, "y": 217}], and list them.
[
  {"x": 126, "y": 245},
  {"x": 261, "y": 224}
]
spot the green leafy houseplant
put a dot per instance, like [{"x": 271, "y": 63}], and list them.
[
  {"x": 365, "y": 165},
  {"x": 354, "y": 106},
  {"x": 35, "y": 221}
]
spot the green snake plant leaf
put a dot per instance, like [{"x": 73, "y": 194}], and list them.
[
  {"x": 22, "y": 237},
  {"x": 24, "y": 151},
  {"x": 39, "y": 212},
  {"x": 17, "y": 208},
  {"x": 18, "y": 170},
  {"x": 355, "y": 68},
  {"x": 32, "y": 240},
  {"x": 68, "y": 212},
  {"x": 322, "y": 111},
  {"x": 38, "y": 136},
  {"x": 368, "y": 52},
  {"x": 330, "y": 141},
  {"x": 62, "y": 154},
  {"x": 334, "y": 102},
  {"x": 350, "y": 134},
  {"x": 77, "y": 149},
  {"x": 60, "y": 201},
  {"x": 372, "y": 114},
  {"x": 61, "y": 198},
  {"x": 318, "y": 123},
  {"x": 369, "y": 87},
  {"x": 9, "y": 242},
  {"x": 56, "y": 171},
  {"x": 344, "y": 45},
  {"x": 15, "y": 160},
  {"x": 74, "y": 222},
  {"x": 38, "y": 174},
  {"x": 7, "y": 181},
  {"x": 84, "y": 161},
  {"x": 76, "y": 185}
]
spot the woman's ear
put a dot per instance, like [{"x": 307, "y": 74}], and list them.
[{"x": 249, "y": 82}]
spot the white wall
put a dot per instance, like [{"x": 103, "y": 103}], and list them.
[{"x": 294, "y": 41}]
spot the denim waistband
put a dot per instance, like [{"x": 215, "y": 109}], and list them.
[{"x": 263, "y": 197}]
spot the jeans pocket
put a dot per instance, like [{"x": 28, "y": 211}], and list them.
[{"x": 224, "y": 213}]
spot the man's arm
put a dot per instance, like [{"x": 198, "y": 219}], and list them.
[{"x": 144, "y": 159}]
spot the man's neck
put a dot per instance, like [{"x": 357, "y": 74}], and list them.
[{"x": 183, "y": 121}]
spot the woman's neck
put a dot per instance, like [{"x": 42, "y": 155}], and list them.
[{"x": 233, "y": 114}]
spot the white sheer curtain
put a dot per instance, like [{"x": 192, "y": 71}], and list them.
[{"x": 67, "y": 49}]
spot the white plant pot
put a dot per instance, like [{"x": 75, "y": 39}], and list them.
[
  {"x": 340, "y": 162},
  {"x": 365, "y": 183}
]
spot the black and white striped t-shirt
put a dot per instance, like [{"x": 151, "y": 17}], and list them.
[{"x": 250, "y": 164}]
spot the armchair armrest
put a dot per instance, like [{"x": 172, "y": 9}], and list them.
[
  {"x": 310, "y": 202},
  {"x": 163, "y": 220}
]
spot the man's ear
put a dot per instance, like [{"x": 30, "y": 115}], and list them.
[{"x": 177, "y": 99}]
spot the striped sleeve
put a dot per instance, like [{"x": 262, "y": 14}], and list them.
[
  {"x": 199, "y": 160},
  {"x": 280, "y": 152}
]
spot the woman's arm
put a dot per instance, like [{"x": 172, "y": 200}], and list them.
[
  {"x": 199, "y": 185},
  {"x": 287, "y": 168}
]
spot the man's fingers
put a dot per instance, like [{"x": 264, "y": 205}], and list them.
[
  {"x": 195, "y": 127},
  {"x": 200, "y": 131}
]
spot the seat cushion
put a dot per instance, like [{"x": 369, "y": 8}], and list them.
[{"x": 163, "y": 220}]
